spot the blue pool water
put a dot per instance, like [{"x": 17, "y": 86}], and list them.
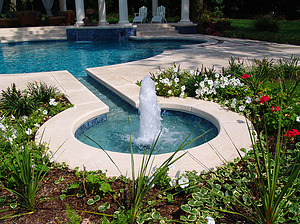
[
  {"x": 77, "y": 56},
  {"x": 113, "y": 134}
]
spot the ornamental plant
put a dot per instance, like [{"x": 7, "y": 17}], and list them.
[
  {"x": 24, "y": 163},
  {"x": 242, "y": 87}
]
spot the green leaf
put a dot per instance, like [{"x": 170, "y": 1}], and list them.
[
  {"x": 104, "y": 207},
  {"x": 196, "y": 196},
  {"x": 97, "y": 198},
  {"x": 75, "y": 185},
  {"x": 186, "y": 208},
  {"x": 243, "y": 150},
  {"x": 170, "y": 198},
  {"x": 59, "y": 180},
  {"x": 183, "y": 218},
  {"x": 90, "y": 201},
  {"x": 155, "y": 215},
  {"x": 192, "y": 218},
  {"x": 195, "y": 212},
  {"x": 62, "y": 196},
  {"x": 105, "y": 187},
  {"x": 13, "y": 205}
]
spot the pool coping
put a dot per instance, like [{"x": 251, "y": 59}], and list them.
[{"x": 59, "y": 130}]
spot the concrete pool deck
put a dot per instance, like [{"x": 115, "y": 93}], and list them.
[{"x": 59, "y": 131}]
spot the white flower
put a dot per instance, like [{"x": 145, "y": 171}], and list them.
[
  {"x": 175, "y": 69},
  {"x": 28, "y": 131},
  {"x": 13, "y": 117},
  {"x": 210, "y": 220},
  {"x": 3, "y": 127},
  {"x": 182, "y": 88},
  {"x": 176, "y": 79},
  {"x": 37, "y": 125},
  {"x": 233, "y": 104},
  {"x": 177, "y": 175},
  {"x": 51, "y": 101},
  {"x": 217, "y": 75},
  {"x": 181, "y": 95},
  {"x": 13, "y": 136},
  {"x": 248, "y": 99},
  {"x": 183, "y": 182},
  {"x": 198, "y": 91},
  {"x": 10, "y": 140},
  {"x": 196, "y": 84},
  {"x": 202, "y": 84},
  {"x": 172, "y": 182},
  {"x": 210, "y": 82},
  {"x": 242, "y": 108},
  {"x": 170, "y": 92},
  {"x": 298, "y": 119},
  {"x": 24, "y": 118},
  {"x": 169, "y": 83},
  {"x": 45, "y": 112}
]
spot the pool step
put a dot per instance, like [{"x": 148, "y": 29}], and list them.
[
  {"x": 8, "y": 35},
  {"x": 160, "y": 29}
]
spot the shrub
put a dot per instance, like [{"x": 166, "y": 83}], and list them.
[
  {"x": 41, "y": 92},
  {"x": 14, "y": 102},
  {"x": 266, "y": 23}
]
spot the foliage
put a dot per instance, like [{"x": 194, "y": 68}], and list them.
[
  {"x": 266, "y": 23},
  {"x": 73, "y": 217},
  {"x": 24, "y": 163},
  {"x": 41, "y": 92},
  {"x": 287, "y": 33},
  {"x": 241, "y": 87},
  {"x": 23, "y": 103},
  {"x": 13, "y": 102},
  {"x": 25, "y": 178}
]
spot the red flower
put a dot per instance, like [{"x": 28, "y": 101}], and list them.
[
  {"x": 275, "y": 108},
  {"x": 292, "y": 133},
  {"x": 245, "y": 76},
  {"x": 264, "y": 99}
]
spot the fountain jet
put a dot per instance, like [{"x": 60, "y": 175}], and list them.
[{"x": 150, "y": 119}]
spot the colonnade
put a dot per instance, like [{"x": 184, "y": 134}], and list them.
[{"x": 123, "y": 11}]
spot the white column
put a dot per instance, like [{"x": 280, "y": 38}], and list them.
[
  {"x": 185, "y": 11},
  {"x": 123, "y": 12},
  {"x": 102, "y": 13},
  {"x": 63, "y": 5},
  {"x": 79, "y": 12},
  {"x": 154, "y": 7},
  {"x": 14, "y": 4}
]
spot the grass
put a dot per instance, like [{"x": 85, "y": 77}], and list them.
[{"x": 288, "y": 32}]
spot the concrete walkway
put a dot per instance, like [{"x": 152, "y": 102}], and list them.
[{"x": 59, "y": 131}]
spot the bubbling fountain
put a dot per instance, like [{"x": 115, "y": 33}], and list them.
[{"x": 150, "y": 118}]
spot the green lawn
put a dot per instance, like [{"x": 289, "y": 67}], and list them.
[{"x": 289, "y": 32}]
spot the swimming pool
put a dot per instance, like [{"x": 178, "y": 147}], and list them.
[{"x": 75, "y": 57}]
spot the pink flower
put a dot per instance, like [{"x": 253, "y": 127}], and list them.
[
  {"x": 245, "y": 76},
  {"x": 275, "y": 108},
  {"x": 264, "y": 99}
]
